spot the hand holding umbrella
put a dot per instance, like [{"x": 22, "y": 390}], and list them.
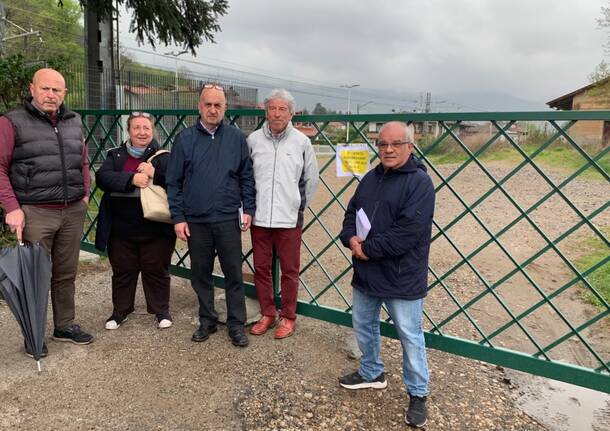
[{"x": 16, "y": 222}]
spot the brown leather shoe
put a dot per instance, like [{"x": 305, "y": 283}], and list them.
[
  {"x": 262, "y": 325},
  {"x": 285, "y": 328}
]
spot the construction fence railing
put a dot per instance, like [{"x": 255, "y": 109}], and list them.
[{"x": 519, "y": 269}]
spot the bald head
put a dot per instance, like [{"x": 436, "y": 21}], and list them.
[
  {"x": 399, "y": 127},
  {"x": 212, "y": 106},
  {"x": 48, "y": 89}
]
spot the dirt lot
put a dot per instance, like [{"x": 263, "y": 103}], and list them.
[
  {"x": 141, "y": 378},
  {"x": 525, "y": 266}
]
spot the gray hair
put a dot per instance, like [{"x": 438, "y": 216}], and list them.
[
  {"x": 408, "y": 128},
  {"x": 280, "y": 93}
]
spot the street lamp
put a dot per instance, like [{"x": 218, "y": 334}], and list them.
[
  {"x": 175, "y": 54},
  {"x": 349, "y": 94}
]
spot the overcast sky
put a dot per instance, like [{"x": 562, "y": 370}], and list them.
[{"x": 533, "y": 50}]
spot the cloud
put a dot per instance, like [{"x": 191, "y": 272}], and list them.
[{"x": 531, "y": 49}]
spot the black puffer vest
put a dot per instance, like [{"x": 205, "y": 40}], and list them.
[{"x": 47, "y": 160}]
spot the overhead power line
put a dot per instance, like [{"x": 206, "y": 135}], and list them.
[
  {"x": 256, "y": 77},
  {"x": 31, "y": 12},
  {"x": 266, "y": 80}
]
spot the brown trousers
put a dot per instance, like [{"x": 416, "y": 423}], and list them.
[
  {"x": 150, "y": 256},
  {"x": 60, "y": 232}
]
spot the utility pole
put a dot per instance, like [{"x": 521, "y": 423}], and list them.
[
  {"x": 349, "y": 93},
  {"x": 100, "y": 80},
  {"x": 2, "y": 28},
  {"x": 175, "y": 54},
  {"x": 99, "y": 65},
  {"x": 3, "y": 37},
  {"x": 427, "y": 110},
  {"x": 362, "y": 105}
]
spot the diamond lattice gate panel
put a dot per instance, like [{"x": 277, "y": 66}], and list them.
[{"x": 519, "y": 269}]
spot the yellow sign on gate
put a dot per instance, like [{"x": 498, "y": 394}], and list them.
[{"x": 352, "y": 159}]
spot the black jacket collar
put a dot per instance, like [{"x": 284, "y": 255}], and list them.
[
  {"x": 412, "y": 165},
  {"x": 62, "y": 114}
]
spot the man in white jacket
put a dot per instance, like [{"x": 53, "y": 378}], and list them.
[{"x": 286, "y": 176}]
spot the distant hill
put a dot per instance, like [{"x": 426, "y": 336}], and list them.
[
  {"x": 495, "y": 102},
  {"x": 384, "y": 102}
]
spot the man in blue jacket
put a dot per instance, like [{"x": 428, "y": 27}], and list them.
[
  {"x": 391, "y": 264},
  {"x": 209, "y": 176}
]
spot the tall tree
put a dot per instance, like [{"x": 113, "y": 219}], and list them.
[
  {"x": 58, "y": 32},
  {"x": 604, "y": 22},
  {"x": 601, "y": 72},
  {"x": 181, "y": 22},
  {"x": 319, "y": 109},
  {"x": 16, "y": 75},
  {"x": 600, "y": 75}
]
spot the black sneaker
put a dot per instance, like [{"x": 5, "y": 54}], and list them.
[
  {"x": 73, "y": 334},
  {"x": 355, "y": 381},
  {"x": 417, "y": 414},
  {"x": 44, "y": 354},
  {"x": 114, "y": 322}
]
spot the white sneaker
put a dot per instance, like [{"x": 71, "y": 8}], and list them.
[
  {"x": 114, "y": 322},
  {"x": 164, "y": 324}
]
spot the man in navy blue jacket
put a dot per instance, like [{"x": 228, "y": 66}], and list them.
[
  {"x": 391, "y": 264},
  {"x": 209, "y": 176}
]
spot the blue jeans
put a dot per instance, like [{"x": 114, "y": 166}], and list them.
[{"x": 407, "y": 318}]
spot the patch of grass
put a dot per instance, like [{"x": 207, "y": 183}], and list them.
[
  {"x": 556, "y": 157},
  {"x": 596, "y": 251},
  {"x": 501, "y": 154},
  {"x": 571, "y": 160},
  {"x": 447, "y": 158}
]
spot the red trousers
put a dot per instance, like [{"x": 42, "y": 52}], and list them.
[{"x": 287, "y": 244}]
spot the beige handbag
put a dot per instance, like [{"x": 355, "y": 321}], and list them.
[{"x": 154, "y": 199}]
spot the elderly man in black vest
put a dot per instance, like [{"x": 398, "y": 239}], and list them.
[{"x": 44, "y": 188}]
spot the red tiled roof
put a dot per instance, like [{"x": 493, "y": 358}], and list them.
[{"x": 309, "y": 131}]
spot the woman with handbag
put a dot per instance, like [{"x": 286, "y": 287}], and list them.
[{"x": 135, "y": 244}]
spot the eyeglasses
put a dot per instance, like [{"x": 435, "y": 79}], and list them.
[
  {"x": 384, "y": 146},
  {"x": 215, "y": 86},
  {"x": 140, "y": 114}
]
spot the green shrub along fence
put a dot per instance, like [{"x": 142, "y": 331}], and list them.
[{"x": 519, "y": 265}]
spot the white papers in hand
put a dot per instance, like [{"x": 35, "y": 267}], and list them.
[{"x": 363, "y": 225}]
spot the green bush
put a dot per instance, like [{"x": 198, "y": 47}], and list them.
[{"x": 16, "y": 75}]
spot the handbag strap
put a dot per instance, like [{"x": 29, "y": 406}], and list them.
[{"x": 156, "y": 154}]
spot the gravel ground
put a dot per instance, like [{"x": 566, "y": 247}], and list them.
[{"x": 140, "y": 378}]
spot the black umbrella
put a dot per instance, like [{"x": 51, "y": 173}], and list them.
[{"x": 25, "y": 278}]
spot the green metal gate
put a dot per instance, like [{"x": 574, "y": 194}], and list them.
[{"x": 520, "y": 259}]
